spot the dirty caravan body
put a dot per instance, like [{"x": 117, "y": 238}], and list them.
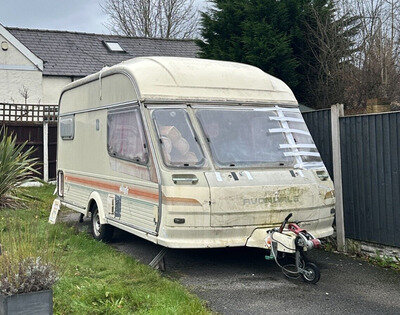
[{"x": 189, "y": 153}]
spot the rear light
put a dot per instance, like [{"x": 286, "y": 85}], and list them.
[
  {"x": 60, "y": 183},
  {"x": 268, "y": 241}
]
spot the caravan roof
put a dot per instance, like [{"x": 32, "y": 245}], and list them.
[{"x": 193, "y": 79}]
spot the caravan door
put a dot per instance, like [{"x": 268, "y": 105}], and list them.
[{"x": 137, "y": 202}]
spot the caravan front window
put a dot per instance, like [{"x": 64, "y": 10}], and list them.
[
  {"x": 178, "y": 141},
  {"x": 241, "y": 137}
]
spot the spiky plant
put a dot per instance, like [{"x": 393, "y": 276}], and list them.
[{"x": 16, "y": 168}]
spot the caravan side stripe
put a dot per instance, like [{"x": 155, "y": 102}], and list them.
[{"x": 134, "y": 192}]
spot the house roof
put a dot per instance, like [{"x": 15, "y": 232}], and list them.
[
  {"x": 79, "y": 54},
  {"x": 195, "y": 79}
]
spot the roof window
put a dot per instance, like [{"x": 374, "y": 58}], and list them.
[{"x": 113, "y": 46}]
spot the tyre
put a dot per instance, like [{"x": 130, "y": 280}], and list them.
[
  {"x": 101, "y": 232},
  {"x": 312, "y": 274}
]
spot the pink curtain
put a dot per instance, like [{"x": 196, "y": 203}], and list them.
[{"x": 126, "y": 139}]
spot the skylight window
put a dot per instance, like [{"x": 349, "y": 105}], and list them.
[{"x": 114, "y": 46}]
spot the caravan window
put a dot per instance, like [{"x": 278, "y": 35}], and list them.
[
  {"x": 125, "y": 136},
  {"x": 178, "y": 141},
  {"x": 242, "y": 137},
  {"x": 67, "y": 127}
]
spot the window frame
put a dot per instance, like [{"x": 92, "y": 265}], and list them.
[
  {"x": 145, "y": 142},
  {"x": 71, "y": 137},
  {"x": 201, "y": 164}
]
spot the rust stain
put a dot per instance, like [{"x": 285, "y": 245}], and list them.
[{"x": 180, "y": 201}]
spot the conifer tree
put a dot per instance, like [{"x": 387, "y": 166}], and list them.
[{"x": 282, "y": 37}]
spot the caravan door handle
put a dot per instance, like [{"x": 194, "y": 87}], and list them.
[{"x": 185, "y": 179}]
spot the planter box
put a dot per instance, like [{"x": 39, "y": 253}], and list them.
[{"x": 34, "y": 303}]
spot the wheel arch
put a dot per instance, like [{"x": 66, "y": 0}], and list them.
[{"x": 95, "y": 199}]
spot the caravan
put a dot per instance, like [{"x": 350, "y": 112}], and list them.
[{"x": 189, "y": 153}]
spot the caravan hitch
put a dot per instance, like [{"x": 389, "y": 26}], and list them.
[{"x": 288, "y": 246}]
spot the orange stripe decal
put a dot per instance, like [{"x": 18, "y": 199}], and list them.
[
  {"x": 142, "y": 193},
  {"x": 134, "y": 192}
]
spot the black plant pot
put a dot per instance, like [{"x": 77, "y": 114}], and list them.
[{"x": 33, "y": 303}]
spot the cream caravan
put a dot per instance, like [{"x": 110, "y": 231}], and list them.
[{"x": 189, "y": 153}]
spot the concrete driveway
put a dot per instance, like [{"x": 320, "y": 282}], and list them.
[{"x": 240, "y": 280}]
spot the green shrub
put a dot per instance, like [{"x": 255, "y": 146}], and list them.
[{"x": 16, "y": 167}]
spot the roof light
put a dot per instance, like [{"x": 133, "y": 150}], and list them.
[{"x": 113, "y": 46}]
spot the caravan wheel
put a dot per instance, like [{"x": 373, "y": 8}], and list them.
[{"x": 101, "y": 232}]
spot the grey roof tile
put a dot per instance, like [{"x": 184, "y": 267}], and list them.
[{"x": 79, "y": 54}]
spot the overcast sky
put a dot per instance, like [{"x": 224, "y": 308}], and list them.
[{"x": 71, "y": 15}]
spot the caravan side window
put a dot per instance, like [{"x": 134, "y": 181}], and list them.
[
  {"x": 180, "y": 147},
  {"x": 125, "y": 136},
  {"x": 67, "y": 127}
]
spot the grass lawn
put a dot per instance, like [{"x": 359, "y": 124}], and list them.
[{"x": 94, "y": 277}]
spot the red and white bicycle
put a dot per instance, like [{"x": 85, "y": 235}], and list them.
[{"x": 288, "y": 247}]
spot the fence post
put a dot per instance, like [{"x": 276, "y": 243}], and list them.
[
  {"x": 336, "y": 112},
  {"x": 45, "y": 151}
]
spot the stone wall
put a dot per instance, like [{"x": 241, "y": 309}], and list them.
[{"x": 373, "y": 250}]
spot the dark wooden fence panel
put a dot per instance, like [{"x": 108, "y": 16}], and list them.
[
  {"x": 370, "y": 147},
  {"x": 26, "y": 121},
  {"x": 370, "y": 152},
  {"x": 319, "y": 125},
  {"x": 52, "y": 145},
  {"x": 32, "y": 132}
]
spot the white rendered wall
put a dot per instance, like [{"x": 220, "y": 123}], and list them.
[
  {"x": 52, "y": 87},
  {"x": 12, "y": 81}
]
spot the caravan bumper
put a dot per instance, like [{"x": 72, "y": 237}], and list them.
[{"x": 251, "y": 236}]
